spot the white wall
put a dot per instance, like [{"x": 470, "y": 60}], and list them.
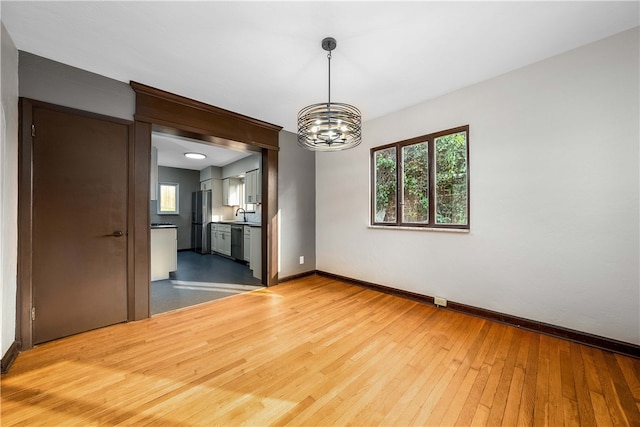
[
  {"x": 50, "y": 81},
  {"x": 9, "y": 188},
  {"x": 241, "y": 166},
  {"x": 296, "y": 207},
  {"x": 554, "y": 168}
]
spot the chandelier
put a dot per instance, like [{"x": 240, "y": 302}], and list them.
[{"x": 329, "y": 126}]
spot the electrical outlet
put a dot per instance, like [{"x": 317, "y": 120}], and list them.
[
  {"x": 302, "y": 260},
  {"x": 442, "y": 302}
]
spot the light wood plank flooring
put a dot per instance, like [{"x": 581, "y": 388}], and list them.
[{"x": 317, "y": 351}]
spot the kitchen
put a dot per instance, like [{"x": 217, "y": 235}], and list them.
[{"x": 205, "y": 213}]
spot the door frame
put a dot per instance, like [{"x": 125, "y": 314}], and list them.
[
  {"x": 24, "y": 324},
  {"x": 164, "y": 111}
]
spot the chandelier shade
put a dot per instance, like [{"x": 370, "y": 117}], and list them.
[{"x": 329, "y": 126}]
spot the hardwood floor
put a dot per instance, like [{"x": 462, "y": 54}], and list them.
[{"x": 317, "y": 351}]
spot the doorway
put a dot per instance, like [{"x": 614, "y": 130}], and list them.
[
  {"x": 160, "y": 110},
  {"x": 203, "y": 194}
]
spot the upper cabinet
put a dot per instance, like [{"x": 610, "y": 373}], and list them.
[
  {"x": 253, "y": 187},
  {"x": 231, "y": 191},
  {"x": 206, "y": 184}
]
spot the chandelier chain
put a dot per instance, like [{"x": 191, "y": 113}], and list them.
[{"x": 329, "y": 96}]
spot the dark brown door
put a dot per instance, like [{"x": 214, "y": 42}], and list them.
[{"x": 79, "y": 223}]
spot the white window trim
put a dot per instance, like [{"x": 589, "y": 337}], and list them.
[
  {"x": 404, "y": 228},
  {"x": 177, "y": 187}
]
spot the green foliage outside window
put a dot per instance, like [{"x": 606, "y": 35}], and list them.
[
  {"x": 409, "y": 202},
  {"x": 451, "y": 179},
  {"x": 385, "y": 185},
  {"x": 415, "y": 180}
]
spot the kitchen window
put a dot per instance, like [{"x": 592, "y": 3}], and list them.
[
  {"x": 422, "y": 182},
  {"x": 168, "y": 198}
]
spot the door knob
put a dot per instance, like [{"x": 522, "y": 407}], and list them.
[{"x": 117, "y": 233}]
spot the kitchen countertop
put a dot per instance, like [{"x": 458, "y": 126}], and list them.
[
  {"x": 162, "y": 225},
  {"x": 250, "y": 224}
]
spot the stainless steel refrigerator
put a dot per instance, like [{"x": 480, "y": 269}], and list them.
[{"x": 200, "y": 220}]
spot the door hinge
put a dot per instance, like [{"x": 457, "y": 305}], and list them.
[
  {"x": 33, "y": 313},
  {"x": 33, "y": 131}
]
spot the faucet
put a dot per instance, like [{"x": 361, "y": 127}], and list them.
[{"x": 244, "y": 213}]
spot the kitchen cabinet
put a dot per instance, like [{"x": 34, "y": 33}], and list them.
[
  {"x": 247, "y": 243},
  {"x": 214, "y": 238},
  {"x": 221, "y": 238},
  {"x": 164, "y": 252},
  {"x": 253, "y": 187},
  {"x": 217, "y": 209},
  {"x": 205, "y": 185},
  {"x": 225, "y": 241},
  {"x": 231, "y": 192},
  {"x": 255, "y": 262}
]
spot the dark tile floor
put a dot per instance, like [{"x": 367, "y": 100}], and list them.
[{"x": 201, "y": 278}]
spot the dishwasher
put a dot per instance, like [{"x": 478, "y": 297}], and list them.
[{"x": 237, "y": 242}]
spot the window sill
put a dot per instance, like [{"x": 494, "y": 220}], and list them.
[{"x": 445, "y": 230}]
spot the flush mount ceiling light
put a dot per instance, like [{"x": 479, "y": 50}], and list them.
[
  {"x": 329, "y": 126},
  {"x": 197, "y": 156}
]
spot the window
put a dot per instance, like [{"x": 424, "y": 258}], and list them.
[
  {"x": 423, "y": 181},
  {"x": 168, "y": 200}
]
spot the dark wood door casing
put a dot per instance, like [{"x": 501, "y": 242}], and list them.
[
  {"x": 25, "y": 295},
  {"x": 141, "y": 268},
  {"x": 160, "y": 110},
  {"x": 202, "y": 120}
]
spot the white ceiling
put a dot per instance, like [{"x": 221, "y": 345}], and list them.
[
  {"x": 263, "y": 59},
  {"x": 171, "y": 150}
]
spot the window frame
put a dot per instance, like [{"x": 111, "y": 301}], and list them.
[
  {"x": 159, "y": 205},
  {"x": 430, "y": 140}
]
